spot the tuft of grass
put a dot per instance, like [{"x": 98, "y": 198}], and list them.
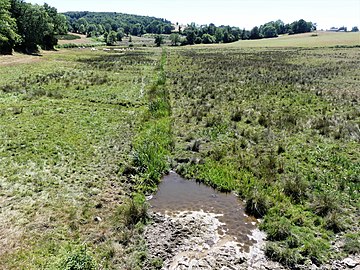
[
  {"x": 352, "y": 243},
  {"x": 257, "y": 203},
  {"x": 131, "y": 212},
  {"x": 77, "y": 258},
  {"x": 287, "y": 256}
]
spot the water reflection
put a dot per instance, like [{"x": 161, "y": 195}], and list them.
[{"x": 177, "y": 194}]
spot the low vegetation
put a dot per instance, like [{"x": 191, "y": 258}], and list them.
[
  {"x": 281, "y": 128},
  {"x": 85, "y": 135},
  {"x": 67, "y": 122}
]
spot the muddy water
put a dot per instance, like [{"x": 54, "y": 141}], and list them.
[{"x": 177, "y": 194}]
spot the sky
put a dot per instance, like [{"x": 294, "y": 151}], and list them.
[{"x": 241, "y": 13}]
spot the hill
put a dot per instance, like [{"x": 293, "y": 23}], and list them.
[
  {"x": 322, "y": 39},
  {"x": 87, "y": 22}
]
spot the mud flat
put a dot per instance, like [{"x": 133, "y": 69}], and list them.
[{"x": 197, "y": 227}]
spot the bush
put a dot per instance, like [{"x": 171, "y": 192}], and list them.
[
  {"x": 316, "y": 250},
  {"x": 278, "y": 230}
]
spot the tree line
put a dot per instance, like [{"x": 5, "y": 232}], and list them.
[
  {"x": 24, "y": 26},
  {"x": 114, "y": 26},
  {"x": 207, "y": 34}
]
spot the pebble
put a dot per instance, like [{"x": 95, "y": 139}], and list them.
[{"x": 350, "y": 262}]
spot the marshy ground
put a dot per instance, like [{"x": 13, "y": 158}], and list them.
[{"x": 85, "y": 134}]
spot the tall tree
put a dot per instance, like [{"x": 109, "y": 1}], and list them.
[
  {"x": 175, "y": 39},
  {"x": 8, "y": 35},
  {"x": 159, "y": 39},
  {"x": 190, "y": 37},
  {"x": 219, "y": 35},
  {"x": 34, "y": 26},
  {"x": 111, "y": 38},
  {"x": 268, "y": 31},
  {"x": 255, "y": 33},
  {"x": 208, "y": 39}
]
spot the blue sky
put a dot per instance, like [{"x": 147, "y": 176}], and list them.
[{"x": 242, "y": 13}]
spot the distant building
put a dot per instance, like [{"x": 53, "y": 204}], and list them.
[{"x": 334, "y": 29}]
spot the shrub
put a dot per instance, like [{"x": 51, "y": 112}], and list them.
[
  {"x": 316, "y": 249},
  {"x": 156, "y": 263}
]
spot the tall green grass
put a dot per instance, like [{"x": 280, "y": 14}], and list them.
[{"x": 153, "y": 144}]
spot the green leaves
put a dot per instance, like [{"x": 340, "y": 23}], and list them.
[{"x": 8, "y": 35}]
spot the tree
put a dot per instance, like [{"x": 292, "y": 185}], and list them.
[
  {"x": 159, "y": 39},
  {"x": 190, "y": 37},
  {"x": 34, "y": 26},
  {"x": 175, "y": 39},
  {"x": 255, "y": 33},
  {"x": 91, "y": 29},
  {"x": 355, "y": 29},
  {"x": 219, "y": 35},
  {"x": 198, "y": 40},
  {"x": 300, "y": 26},
  {"x": 244, "y": 34},
  {"x": 82, "y": 29},
  {"x": 8, "y": 35},
  {"x": 168, "y": 29},
  {"x": 268, "y": 31},
  {"x": 120, "y": 34},
  {"x": 84, "y": 22},
  {"x": 59, "y": 21},
  {"x": 136, "y": 30},
  {"x": 208, "y": 39},
  {"x": 111, "y": 38},
  {"x": 280, "y": 27},
  {"x": 100, "y": 29}
]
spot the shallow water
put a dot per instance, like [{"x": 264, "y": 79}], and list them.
[{"x": 177, "y": 194}]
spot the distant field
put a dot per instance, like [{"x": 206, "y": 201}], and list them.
[
  {"x": 323, "y": 39},
  {"x": 82, "y": 39}
]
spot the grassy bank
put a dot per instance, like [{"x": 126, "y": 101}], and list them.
[
  {"x": 281, "y": 128},
  {"x": 153, "y": 143}
]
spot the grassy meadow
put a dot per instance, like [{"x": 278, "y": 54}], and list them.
[
  {"x": 85, "y": 134},
  {"x": 281, "y": 128},
  {"x": 306, "y": 40},
  {"x": 67, "y": 121}
]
